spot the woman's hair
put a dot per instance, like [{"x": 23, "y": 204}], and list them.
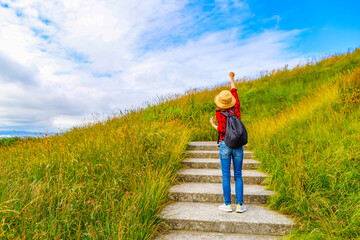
[{"x": 220, "y": 109}]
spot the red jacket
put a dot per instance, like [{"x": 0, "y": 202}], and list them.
[{"x": 221, "y": 119}]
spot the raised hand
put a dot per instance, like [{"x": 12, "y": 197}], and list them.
[{"x": 232, "y": 75}]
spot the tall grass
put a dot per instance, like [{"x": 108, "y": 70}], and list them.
[
  {"x": 312, "y": 152},
  {"x": 8, "y": 141},
  {"x": 111, "y": 179},
  {"x": 106, "y": 181}
]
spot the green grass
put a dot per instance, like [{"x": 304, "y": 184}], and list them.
[
  {"x": 103, "y": 181},
  {"x": 313, "y": 153},
  {"x": 111, "y": 179},
  {"x": 8, "y": 141}
]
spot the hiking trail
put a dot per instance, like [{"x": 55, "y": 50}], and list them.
[{"x": 194, "y": 214}]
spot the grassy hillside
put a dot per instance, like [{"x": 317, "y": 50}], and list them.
[
  {"x": 106, "y": 181},
  {"x": 110, "y": 180}
]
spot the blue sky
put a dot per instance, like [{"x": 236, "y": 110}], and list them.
[
  {"x": 66, "y": 62},
  {"x": 331, "y": 26}
]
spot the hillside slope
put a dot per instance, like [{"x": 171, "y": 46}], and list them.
[
  {"x": 110, "y": 180},
  {"x": 304, "y": 125}
]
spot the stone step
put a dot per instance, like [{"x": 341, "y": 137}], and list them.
[
  {"x": 212, "y": 154},
  {"x": 215, "y": 176},
  {"x": 208, "y": 217},
  {"x": 213, "y": 192},
  {"x": 212, "y": 163},
  {"x": 206, "y": 145},
  {"x": 192, "y": 235}
]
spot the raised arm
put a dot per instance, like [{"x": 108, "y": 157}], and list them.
[{"x": 232, "y": 75}]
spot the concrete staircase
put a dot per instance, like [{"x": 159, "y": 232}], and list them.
[{"x": 194, "y": 214}]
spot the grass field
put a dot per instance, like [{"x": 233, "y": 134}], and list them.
[
  {"x": 8, "y": 141},
  {"x": 109, "y": 180}
]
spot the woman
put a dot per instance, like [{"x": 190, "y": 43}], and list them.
[{"x": 225, "y": 101}]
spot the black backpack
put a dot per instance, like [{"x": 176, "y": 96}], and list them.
[{"x": 236, "y": 134}]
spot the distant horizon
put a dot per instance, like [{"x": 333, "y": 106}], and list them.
[{"x": 21, "y": 134}]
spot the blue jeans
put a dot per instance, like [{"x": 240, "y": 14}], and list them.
[{"x": 225, "y": 160}]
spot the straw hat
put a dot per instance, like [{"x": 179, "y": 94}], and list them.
[{"x": 225, "y": 99}]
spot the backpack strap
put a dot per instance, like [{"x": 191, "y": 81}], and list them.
[{"x": 226, "y": 114}]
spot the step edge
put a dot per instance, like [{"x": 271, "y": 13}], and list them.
[{"x": 211, "y": 234}]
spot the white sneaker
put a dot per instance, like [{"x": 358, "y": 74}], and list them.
[
  {"x": 226, "y": 208},
  {"x": 240, "y": 208}
]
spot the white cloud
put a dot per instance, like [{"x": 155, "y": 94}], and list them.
[
  {"x": 12, "y": 71},
  {"x": 66, "y": 59},
  {"x": 5, "y": 136}
]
